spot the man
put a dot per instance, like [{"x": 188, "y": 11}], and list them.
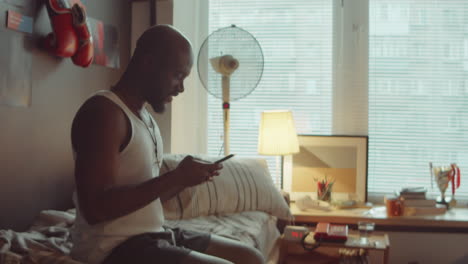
[{"x": 118, "y": 153}]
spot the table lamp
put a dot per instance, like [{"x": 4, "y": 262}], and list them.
[{"x": 277, "y": 135}]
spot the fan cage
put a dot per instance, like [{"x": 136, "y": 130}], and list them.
[{"x": 241, "y": 45}]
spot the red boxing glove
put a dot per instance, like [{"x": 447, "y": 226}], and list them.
[
  {"x": 63, "y": 41},
  {"x": 85, "y": 52}
]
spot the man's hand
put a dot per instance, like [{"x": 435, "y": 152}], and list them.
[{"x": 192, "y": 172}]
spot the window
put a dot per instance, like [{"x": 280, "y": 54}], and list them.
[{"x": 425, "y": 116}]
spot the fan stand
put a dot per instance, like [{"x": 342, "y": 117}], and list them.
[
  {"x": 225, "y": 65},
  {"x": 226, "y": 82}
]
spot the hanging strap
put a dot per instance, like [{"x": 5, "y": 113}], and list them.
[{"x": 455, "y": 177}]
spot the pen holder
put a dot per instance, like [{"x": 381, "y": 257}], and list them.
[{"x": 324, "y": 191}]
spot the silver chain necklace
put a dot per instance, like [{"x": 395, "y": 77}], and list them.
[{"x": 153, "y": 136}]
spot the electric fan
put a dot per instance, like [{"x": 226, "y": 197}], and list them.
[{"x": 230, "y": 65}]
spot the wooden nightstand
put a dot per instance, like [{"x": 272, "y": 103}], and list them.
[{"x": 293, "y": 252}]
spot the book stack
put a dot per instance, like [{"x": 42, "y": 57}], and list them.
[{"x": 414, "y": 202}]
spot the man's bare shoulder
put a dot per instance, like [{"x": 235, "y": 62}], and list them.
[
  {"x": 98, "y": 110},
  {"x": 99, "y": 104},
  {"x": 97, "y": 119}
]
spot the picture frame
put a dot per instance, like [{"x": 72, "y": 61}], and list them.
[{"x": 340, "y": 158}]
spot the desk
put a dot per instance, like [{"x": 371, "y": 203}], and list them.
[{"x": 454, "y": 220}]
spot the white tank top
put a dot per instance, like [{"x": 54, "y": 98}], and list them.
[{"x": 138, "y": 163}]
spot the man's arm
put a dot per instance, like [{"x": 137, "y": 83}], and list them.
[{"x": 99, "y": 131}]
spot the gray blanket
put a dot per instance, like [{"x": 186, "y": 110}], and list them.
[{"x": 47, "y": 241}]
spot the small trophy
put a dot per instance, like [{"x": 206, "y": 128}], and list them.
[{"x": 443, "y": 175}]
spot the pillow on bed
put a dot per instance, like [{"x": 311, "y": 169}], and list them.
[{"x": 244, "y": 184}]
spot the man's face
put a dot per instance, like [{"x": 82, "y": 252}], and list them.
[{"x": 167, "y": 81}]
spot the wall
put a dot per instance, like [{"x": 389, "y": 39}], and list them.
[
  {"x": 36, "y": 166},
  {"x": 189, "y": 122}
]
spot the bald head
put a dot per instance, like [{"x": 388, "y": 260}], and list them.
[
  {"x": 162, "y": 41},
  {"x": 162, "y": 60}
]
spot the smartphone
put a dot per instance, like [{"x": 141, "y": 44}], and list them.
[{"x": 225, "y": 158}]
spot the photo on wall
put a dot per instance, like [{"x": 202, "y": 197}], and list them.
[{"x": 106, "y": 43}]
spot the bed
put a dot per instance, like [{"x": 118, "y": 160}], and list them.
[{"x": 242, "y": 203}]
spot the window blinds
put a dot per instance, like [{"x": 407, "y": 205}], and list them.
[
  {"x": 418, "y": 92},
  {"x": 296, "y": 39}
]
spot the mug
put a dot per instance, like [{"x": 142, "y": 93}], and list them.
[{"x": 394, "y": 206}]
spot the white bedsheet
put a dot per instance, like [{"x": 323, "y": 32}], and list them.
[{"x": 255, "y": 228}]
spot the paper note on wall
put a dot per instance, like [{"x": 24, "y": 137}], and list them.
[
  {"x": 19, "y": 22},
  {"x": 15, "y": 69}
]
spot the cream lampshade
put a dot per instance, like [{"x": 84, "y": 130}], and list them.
[
  {"x": 277, "y": 133},
  {"x": 277, "y": 136}
]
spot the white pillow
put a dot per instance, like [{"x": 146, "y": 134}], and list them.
[{"x": 244, "y": 184}]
